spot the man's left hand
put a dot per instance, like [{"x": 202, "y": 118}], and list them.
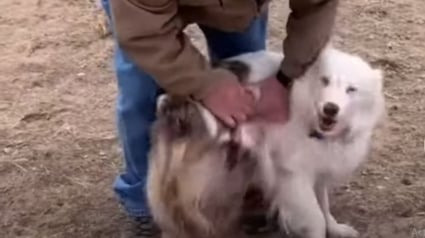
[{"x": 273, "y": 104}]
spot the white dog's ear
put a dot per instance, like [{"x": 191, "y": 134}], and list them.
[{"x": 378, "y": 76}]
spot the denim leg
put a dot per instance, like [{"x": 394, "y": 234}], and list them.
[
  {"x": 136, "y": 106},
  {"x": 227, "y": 44}
]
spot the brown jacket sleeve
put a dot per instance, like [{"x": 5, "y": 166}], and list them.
[
  {"x": 308, "y": 30},
  {"x": 151, "y": 33}
]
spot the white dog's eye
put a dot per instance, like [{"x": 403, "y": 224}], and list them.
[
  {"x": 351, "y": 89},
  {"x": 325, "y": 81}
]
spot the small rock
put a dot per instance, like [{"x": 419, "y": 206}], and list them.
[
  {"x": 362, "y": 210},
  {"x": 36, "y": 84},
  {"x": 7, "y": 150},
  {"x": 406, "y": 182},
  {"x": 380, "y": 187},
  {"x": 81, "y": 75},
  {"x": 345, "y": 187}
]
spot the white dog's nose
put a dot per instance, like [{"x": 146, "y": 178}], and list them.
[{"x": 330, "y": 109}]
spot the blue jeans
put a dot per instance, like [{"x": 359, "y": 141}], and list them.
[{"x": 137, "y": 94}]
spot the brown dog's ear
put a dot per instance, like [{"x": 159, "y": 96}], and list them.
[
  {"x": 160, "y": 102},
  {"x": 179, "y": 117}
]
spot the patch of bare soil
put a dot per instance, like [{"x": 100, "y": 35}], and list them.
[{"x": 58, "y": 146}]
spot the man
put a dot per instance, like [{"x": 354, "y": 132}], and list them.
[{"x": 153, "y": 55}]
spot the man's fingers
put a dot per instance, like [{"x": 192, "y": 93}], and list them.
[
  {"x": 254, "y": 92},
  {"x": 247, "y": 103},
  {"x": 248, "y": 110},
  {"x": 243, "y": 117},
  {"x": 229, "y": 121},
  {"x": 240, "y": 117}
]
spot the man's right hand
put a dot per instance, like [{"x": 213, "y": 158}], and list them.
[{"x": 230, "y": 102}]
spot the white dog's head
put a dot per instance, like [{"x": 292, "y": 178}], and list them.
[{"x": 338, "y": 93}]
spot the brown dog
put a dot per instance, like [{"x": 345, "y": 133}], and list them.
[{"x": 196, "y": 183}]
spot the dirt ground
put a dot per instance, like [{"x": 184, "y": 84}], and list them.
[{"x": 58, "y": 146}]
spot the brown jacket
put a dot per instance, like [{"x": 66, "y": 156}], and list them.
[{"x": 151, "y": 32}]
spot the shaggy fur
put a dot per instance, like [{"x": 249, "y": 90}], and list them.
[
  {"x": 196, "y": 181},
  {"x": 334, "y": 109}
]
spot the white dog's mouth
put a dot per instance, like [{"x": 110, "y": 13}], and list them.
[{"x": 326, "y": 123}]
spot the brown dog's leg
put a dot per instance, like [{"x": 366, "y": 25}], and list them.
[{"x": 255, "y": 217}]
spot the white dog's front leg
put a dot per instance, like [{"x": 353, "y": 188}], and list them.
[
  {"x": 334, "y": 228},
  {"x": 298, "y": 208}
]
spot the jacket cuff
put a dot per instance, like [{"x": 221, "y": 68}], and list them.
[{"x": 284, "y": 80}]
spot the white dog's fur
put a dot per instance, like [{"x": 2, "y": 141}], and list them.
[{"x": 298, "y": 169}]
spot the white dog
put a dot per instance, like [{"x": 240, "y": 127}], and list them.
[{"x": 334, "y": 108}]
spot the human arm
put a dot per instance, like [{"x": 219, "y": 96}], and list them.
[
  {"x": 309, "y": 28},
  {"x": 151, "y": 33}
]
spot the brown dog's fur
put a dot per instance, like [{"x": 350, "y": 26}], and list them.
[{"x": 195, "y": 184}]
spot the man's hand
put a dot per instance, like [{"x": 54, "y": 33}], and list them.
[
  {"x": 273, "y": 105},
  {"x": 230, "y": 102}
]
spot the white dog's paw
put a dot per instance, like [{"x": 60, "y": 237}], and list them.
[{"x": 342, "y": 231}]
